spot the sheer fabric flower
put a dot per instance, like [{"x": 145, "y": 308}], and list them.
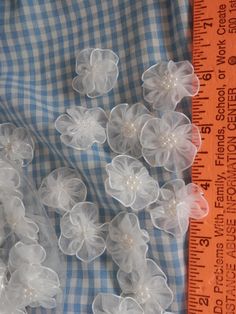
[
  {"x": 130, "y": 183},
  {"x": 97, "y": 71},
  {"x": 171, "y": 142},
  {"x": 24, "y": 227},
  {"x": 176, "y": 204},
  {"x": 126, "y": 242},
  {"x": 21, "y": 254},
  {"x": 81, "y": 234},
  {"x": 148, "y": 286},
  {"x": 124, "y": 126},
  {"x": 8, "y": 307},
  {"x": 9, "y": 181},
  {"x": 34, "y": 285},
  {"x": 113, "y": 304},
  {"x": 16, "y": 144},
  {"x": 80, "y": 127},
  {"x": 62, "y": 189},
  {"x": 166, "y": 83}
]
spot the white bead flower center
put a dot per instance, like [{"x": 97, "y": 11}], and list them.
[
  {"x": 30, "y": 293},
  {"x": 171, "y": 207},
  {"x": 169, "y": 81},
  {"x": 129, "y": 130},
  {"x": 169, "y": 140},
  {"x": 128, "y": 241},
  {"x": 133, "y": 182},
  {"x": 143, "y": 294}
]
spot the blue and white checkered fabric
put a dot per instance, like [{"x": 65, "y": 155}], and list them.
[{"x": 38, "y": 43}]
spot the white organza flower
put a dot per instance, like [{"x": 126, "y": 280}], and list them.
[
  {"x": 9, "y": 181},
  {"x": 124, "y": 126},
  {"x": 126, "y": 242},
  {"x": 16, "y": 144},
  {"x": 34, "y": 285},
  {"x": 97, "y": 72},
  {"x": 113, "y": 304},
  {"x": 62, "y": 189},
  {"x": 21, "y": 254},
  {"x": 166, "y": 83},
  {"x": 171, "y": 142},
  {"x": 148, "y": 286},
  {"x": 130, "y": 183},
  {"x": 80, "y": 128},
  {"x": 176, "y": 204},
  {"x": 22, "y": 226},
  {"x": 81, "y": 234}
]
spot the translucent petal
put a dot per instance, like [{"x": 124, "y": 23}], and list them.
[
  {"x": 175, "y": 119},
  {"x": 91, "y": 249},
  {"x": 26, "y": 229},
  {"x": 180, "y": 69},
  {"x": 161, "y": 292},
  {"x": 190, "y": 85},
  {"x": 106, "y": 304},
  {"x": 63, "y": 122},
  {"x": 98, "y": 115},
  {"x": 21, "y": 253},
  {"x": 14, "y": 210},
  {"x": 9, "y": 178},
  {"x": 176, "y": 187},
  {"x": 69, "y": 246},
  {"x": 99, "y": 55},
  {"x": 156, "y": 158},
  {"x": 130, "y": 306},
  {"x": 75, "y": 191},
  {"x": 120, "y": 195},
  {"x": 181, "y": 157},
  {"x": 86, "y": 211},
  {"x": 67, "y": 228},
  {"x": 83, "y": 83},
  {"x": 83, "y": 59},
  {"x": 189, "y": 132}
]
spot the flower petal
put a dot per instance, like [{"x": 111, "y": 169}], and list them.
[
  {"x": 84, "y": 211},
  {"x": 99, "y": 55},
  {"x": 91, "y": 249},
  {"x": 199, "y": 207},
  {"x": 106, "y": 304},
  {"x": 62, "y": 123},
  {"x": 83, "y": 60},
  {"x": 69, "y": 246}
]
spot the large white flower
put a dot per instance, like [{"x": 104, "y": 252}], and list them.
[
  {"x": 148, "y": 286},
  {"x": 21, "y": 254},
  {"x": 124, "y": 126},
  {"x": 16, "y": 144},
  {"x": 113, "y": 304},
  {"x": 81, "y": 234},
  {"x": 80, "y": 128},
  {"x": 126, "y": 242},
  {"x": 176, "y": 204},
  {"x": 97, "y": 72},
  {"x": 166, "y": 83},
  {"x": 34, "y": 285},
  {"x": 62, "y": 189},
  {"x": 130, "y": 183},
  {"x": 171, "y": 142},
  {"x": 14, "y": 212}
]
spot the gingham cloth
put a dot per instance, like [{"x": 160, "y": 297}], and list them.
[{"x": 38, "y": 43}]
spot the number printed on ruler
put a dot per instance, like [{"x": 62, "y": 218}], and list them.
[{"x": 212, "y": 242}]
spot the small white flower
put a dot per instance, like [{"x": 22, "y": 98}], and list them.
[
  {"x": 22, "y": 226},
  {"x": 80, "y": 128},
  {"x": 62, "y": 189},
  {"x": 130, "y": 183},
  {"x": 126, "y": 242},
  {"x": 16, "y": 144},
  {"x": 124, "y": 126},
  {"x": 171, "y": 142},
  {"x": 21, "y": 254},
  {"x": 166, "y": 83},
  {"x": 148, "y": 286},
  {"x": 81, "y": 234},
  {"x": 113, "y": 304},
  {"x": 34, "y": 285},
  {"x": 176, "y": 204},
  {"x": 97, "y": 72}
]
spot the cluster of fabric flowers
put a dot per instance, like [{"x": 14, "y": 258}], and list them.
[
  {"x": 164, "y": 138},
  {"x": 81, "y": 233},
  {"x": 24, "y": 281}
]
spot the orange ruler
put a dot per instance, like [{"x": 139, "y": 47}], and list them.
[{"x": 212, "y": 241}]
